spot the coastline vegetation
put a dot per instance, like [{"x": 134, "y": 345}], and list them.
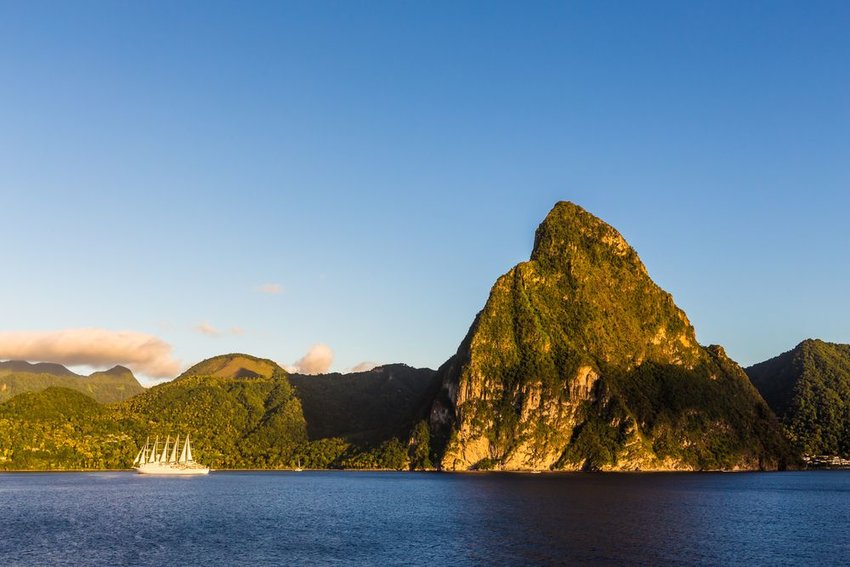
[{"x": 237, "y": 420}]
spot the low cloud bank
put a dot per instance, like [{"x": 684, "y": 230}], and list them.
[
  {"x": 142, "y": 353},
  {"x": 364, "y": 366},
  {"x": 209, "y": 330},
  {"x": 317, "y": 360}
]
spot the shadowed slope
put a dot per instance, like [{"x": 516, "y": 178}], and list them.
[
  {"x": 809, "y": 389},
  {"x": 366, "y": 407}
]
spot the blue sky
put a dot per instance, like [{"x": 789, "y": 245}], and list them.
[{"x": 383, "y": 163}]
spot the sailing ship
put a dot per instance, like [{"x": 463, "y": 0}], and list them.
[{"x": 152, "y": 461}]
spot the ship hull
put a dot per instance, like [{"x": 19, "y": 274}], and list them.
[{"x": 157, "y": 469}]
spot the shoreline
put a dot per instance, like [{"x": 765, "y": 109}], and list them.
[{"x": 434, "y": 471}]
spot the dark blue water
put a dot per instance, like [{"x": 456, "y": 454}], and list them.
[{"x": 354, "y": 518}]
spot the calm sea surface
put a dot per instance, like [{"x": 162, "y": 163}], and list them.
[{"x": 357, "y": 518}]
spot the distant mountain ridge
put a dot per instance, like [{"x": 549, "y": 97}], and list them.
[
  {"x": 113, "y": 385},
  {"x": 809, "y": 389},
  {"x": 36, "y": 368}
]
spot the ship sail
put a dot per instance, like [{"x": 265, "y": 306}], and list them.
[
  {"x": 164, "y": 455},
  {"x": 183, "y": 452},
  {"x": 153, "y": 450},
  {"x": 140, "y": 456},
  {"x": 188, "y": 450},
  {"x": 173, "y": 457}
]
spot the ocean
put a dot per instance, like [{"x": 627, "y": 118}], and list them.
[{"x": 385, "y": 518}]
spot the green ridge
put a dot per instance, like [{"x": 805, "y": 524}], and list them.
[
  {"x": 809, "y": 389},
  {"x": 241, "y": 411},
  {"x": 108, "y": 386}
]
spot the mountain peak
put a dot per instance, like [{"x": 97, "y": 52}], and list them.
[
  {"x": 579, "y": 326},
  {"x": 568, "y": 229},
  {"x": 235, "y": 365},
  {"x": 585, "y": 271}
]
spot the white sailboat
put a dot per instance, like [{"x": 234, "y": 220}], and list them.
[{"x": 151, "y": 461}]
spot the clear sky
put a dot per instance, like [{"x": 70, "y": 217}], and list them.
[{"x": 263, "y": 177}]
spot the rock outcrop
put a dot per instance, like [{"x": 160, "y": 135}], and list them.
[{"x": 580, "y": 361}]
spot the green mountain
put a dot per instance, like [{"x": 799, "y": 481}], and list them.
[
  {"x": 240, "y": 410},
  {"x": 236, "y": 366},
  {"x": 809, "y": 389},
  {"x": 580, "y": 361},
  {"x": 112, "y": 385},
  {"x": 366, "y": 408}
]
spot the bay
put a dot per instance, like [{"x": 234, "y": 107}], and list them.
[{"x": 384, "y": 518}]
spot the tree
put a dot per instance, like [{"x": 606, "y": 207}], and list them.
[{"x": 419, "y": 448}]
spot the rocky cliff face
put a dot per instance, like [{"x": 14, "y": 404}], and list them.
[{"x": 580, "y": 361}]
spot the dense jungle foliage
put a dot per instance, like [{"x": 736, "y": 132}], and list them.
[
  {"x": 241, "y": 413},
  {"x": 369, "y": 407},
  {"x": 809, "y": 389}
]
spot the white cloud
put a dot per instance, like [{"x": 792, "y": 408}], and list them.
[
  {"x": 270, "y": 288},
  {"x": 142, "y": 353},
  {"x": 364, "y": 366},
  {"x": 207, "y": 329},
  {"x": 317, "y": 360}
]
